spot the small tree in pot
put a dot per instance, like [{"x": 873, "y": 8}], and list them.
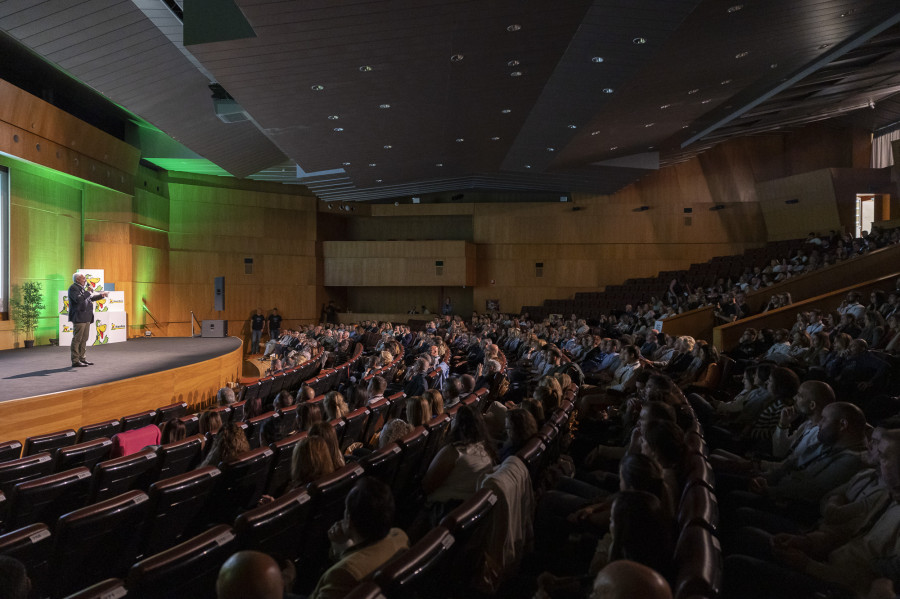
[{"x": 27, "y": 310}]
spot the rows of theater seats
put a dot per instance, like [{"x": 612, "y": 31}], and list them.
[{"x": 593, "y": 304}]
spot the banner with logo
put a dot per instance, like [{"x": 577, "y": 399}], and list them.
[
  {"x": 110, "y": 321},
  {"x": 109, "y": 327}
]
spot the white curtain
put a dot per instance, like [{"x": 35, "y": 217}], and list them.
[{"x": 882, "y": 153}]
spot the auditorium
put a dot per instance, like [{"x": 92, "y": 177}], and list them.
[{"x": 519, "y": 298}]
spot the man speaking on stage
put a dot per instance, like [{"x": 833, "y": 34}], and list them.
[{"x": 81, "y": 315}]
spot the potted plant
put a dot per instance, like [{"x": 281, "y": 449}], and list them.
[{"x": 27, "y": 310}]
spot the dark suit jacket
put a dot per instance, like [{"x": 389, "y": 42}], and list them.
[{"x": 81, "y": 304}]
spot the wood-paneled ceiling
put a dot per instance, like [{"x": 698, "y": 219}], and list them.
[{"x": 379, "y": 99}]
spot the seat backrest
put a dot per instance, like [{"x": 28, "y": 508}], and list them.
[
  {"x": 180, "y": 456},
  {"x": 698, "y": 563},
  {"x": 469, "y": 524},
  {"x": 191, "y": 424},
  {"x": 30, "y": 467},
  {"x": 114, "y": 477},
  {"x": 328, "y": 495},
  {"x": 366, "y": 590},
  {"x": 382, "y": 464},
  {"x": 87, "y": 454},
  {"x": 255, "y": 424},
  {"x": 340, "y": 427},
  {"x": 407, "y": 575},
  {"x": 280, "y": 471},
  {"x": 139, "y": 420},
  {"x": 189, "y": 569},
  {"x": 377, "y": 418},
  {"x": 533, "y": 453},
  {"x": 170, "y": 412},
  {"x": 698, "y": 506},
  {"x": 437, "y": 428},
  {"x": 178, "y": 507},
  {"x": 131, "y": 441},
  {"x": 32, "y": 545},
  {"x": 47, "y": 498},
  {"x": 700, "y": 472},
  {"x": 696, "y": 444},
  {"x": 111, "y": 588},
  {"x": 97, "y": 541},
  {"x": 107, "y": 429},
  {"x": 356, "y": 426},
  {"x": 10, "y": 450},
  {"x": 237, "y": 409},
  {"x": 408, "y": 481},
  {"x": 49, "y": 442},
  {"x": 241, "y": 485},
  {"x": 289, "y": 416},
  {"x": 274, "y": 527}
]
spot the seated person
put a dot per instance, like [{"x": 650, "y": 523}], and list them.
[{"x": 363, "y": 540}]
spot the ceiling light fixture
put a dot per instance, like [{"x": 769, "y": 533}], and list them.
[
  {"x": 664, "y": 106},
  {"x": 774, "y": 65},
  {"x": 333, "y": 117},
  {"x": 614, "y": 148},
  {"x": 725, "y": 82},
  {"x": 372, "y": 164},
  {"x": 384, "y": 106},
  {"x": 317, "y": 88},
  {"x": 847, "y": 13},
  {"x": 514, "y": 27},
  {"x": 639, "y": 41},
  {"x": 495, "y": 139},
  {"x": 388, "y": 147},
  {"x": 378, "y": 180},
  {"x": 693, "y": 91},
  {"x": 512, "y": 63},
  {"x": 506, "y": 111},
  {"x": 595, "y": 133},
  {"x": 597, "y": 59},
  {"x": 735, "y": 8},
  {"x": 707, "y": 101},
  {"x": 439, "y": 164},
  {"x": 527, "y": 166},
  {"x": 742, "y": 54},
  {"x": 607, "y": 90},
  {"x": 573, "y": 126},
  {"x": 459, "y": 140},
  {"x": 551, "y": 149},
  {"x": 365, "y": 69},
  {"x": 516, "y": 74},
  {"x": 648, "y": 125},
  {"x": 338, "y": 129},
  {"x": 823, "y": 46},
  {"x": 456, "y": 58},
  {"x": 345, "y": 163}
]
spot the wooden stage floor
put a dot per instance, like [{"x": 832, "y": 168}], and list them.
[{"x": 40, "y": 392}]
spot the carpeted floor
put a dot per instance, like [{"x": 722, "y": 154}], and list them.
[{"x": 47, "y": 369}]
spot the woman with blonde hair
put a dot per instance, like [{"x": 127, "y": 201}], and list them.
[
  {"x": 326, "y": 431},
  {"x": 436, "y": 400},
  {"x": 335, "y": 405},
  {"x": 418, "y": 410},
  {"x": 310, "y": 461}
]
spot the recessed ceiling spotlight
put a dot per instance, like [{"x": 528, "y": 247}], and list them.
[
  {"x": 512, "y": 63},
  {"x": 742, "y": 54},
  {"x": 648, "y": 125},
  {"x": 365, "y": 69},
  {"x": 595, "y": 133},
  {"x": 693, "y": 91},
  {"x": 439, "y": 164},
  {"x": 823, "y": 46},
  {"x": 338, "y": 129},
  {"x": 597, "y": 59},
  {"x": 551, "y": 149},
  {"x": 707, "y": 101},
  {"x": 607, "y": 90},
  {"x": 573, "y": 126},
  {"x": 847, "y": 13},
  {"x": 384, "y": 106},
  {"x": 372, "y": 164},
  {"x": 639, "y": 41},
  {"x": 514, "y": 27},
  {"x": 614, "y": 148},
  {"x": 379, "y": 180},
  {"x": 527, "y": 166},
  {"x": 735, "y": 8},
  {"x": 774, "y": 65},
  {"x": 456, "y": 58},
  {"x": 333, "y": 117},
  {"x": 506, "y": 111},
  {"x": 345, "y": 163},
  {"x": 650, "y": 147},
  {"x": 388, "y": 147},
  {"x": 725, "y": 82},
  {"x": 317, "y": 88},
  {"x": 664, "y": 106},
  {"x": 685, "y": 126},
  {"x": 495, "y": 138},
  {"x": 516, "y": 74}
]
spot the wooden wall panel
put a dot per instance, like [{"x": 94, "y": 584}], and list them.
[
  {"x": 397, "y": 263},
  {"x": 400, "y": 299},
  {"x": 815, "y": 211}
]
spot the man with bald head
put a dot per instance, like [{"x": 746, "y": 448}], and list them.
[
  {"x": 624, "y": 579},
  {"x": 250, "y": 575},
  {"x": 810, "y": 401}
]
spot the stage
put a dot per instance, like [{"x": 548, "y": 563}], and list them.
[{"x": 40, "y": 392}]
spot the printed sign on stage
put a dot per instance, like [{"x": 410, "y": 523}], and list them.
[
  {"x": 93, "y": 279},
  {"x": 114, "y": 302},
  {"x": 109, "y": 327}
]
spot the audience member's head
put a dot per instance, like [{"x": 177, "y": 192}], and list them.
[
  {"x": 663, "y": 440},
  {"x": 250, "y": 575},
  {"x": 327, "y": 432},
  {"x": 311, "y": 460},
  {"x": 369, "y": 510},
  {"x": 843, "y": 424},
  {"x": 172, "y": 431},
  {"x": 639, "y": 530},
  {"x": 305, "y": 393},
  {"x": 520, "y": 426},
  {"x": 377, "y": 386},
  {"x": 308, "y": 414},
  {"x": 210, "y": 422},
  {"x": 392, "y": 430},
  {"x": 232, "y": 442},
  {"x": 283, "y": 400},
  {"x": 225, "y": 396},
  {"x": 467, "y": 381},
  {"x": 535, "y": 408},
  {"x": 335, "y": 405},
  {"x": 418, "y": 410},
  {"x": 436, "y": 400},
  {"x": 469, "y": 428},
  {"x": 783, "y": 383},
  {"x": 626, "y": 579},
  {"x": 812, "y": 397}
]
